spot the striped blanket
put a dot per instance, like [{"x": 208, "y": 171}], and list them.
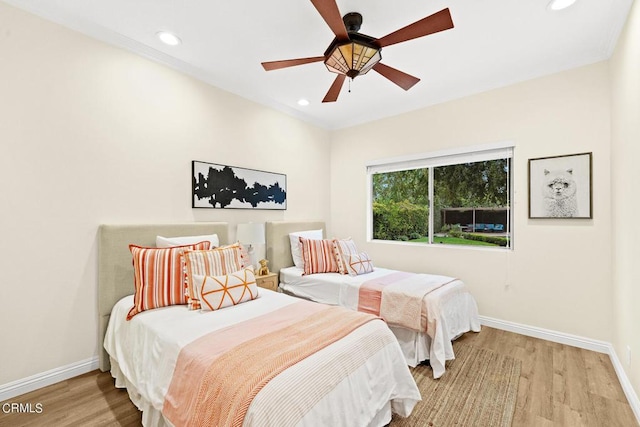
[
  {"x": 408, "y": 300},
  {"x": 399, "y": 298},
  {"x": 217, "y": 376}
]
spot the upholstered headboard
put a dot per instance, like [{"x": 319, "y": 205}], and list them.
[
  {"x": 278, "y": 243},
  {"x": 115, "y": 268}
]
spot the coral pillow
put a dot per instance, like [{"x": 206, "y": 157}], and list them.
[
  {"x": 158, "y": 276},
  {"x": 214, "y": 262},
  {"x": 294, "y": 238},
  {"x": 358, "y": 264},
  {"x": 318, "y": 256},
  {"x": 341, "y": 248},
  {"x": 216, "y": 292}
]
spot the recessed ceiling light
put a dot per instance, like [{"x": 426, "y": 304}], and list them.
[
  {"x": 303, "y": 102},
  {"x": 168, "y": 38},
  {"x": 560, "y": 4}
]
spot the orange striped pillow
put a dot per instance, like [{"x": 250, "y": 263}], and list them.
[
  {"x": 318, "y": 256},
  {"x": 158, "y": 277},
  {"x": 214, "y": 262},
  {"x": 216, "y": 292}
]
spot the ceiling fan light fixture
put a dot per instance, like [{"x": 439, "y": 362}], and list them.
[
  {"x": 303, "y": 102},
  {"x": 560, "y": 4},
  {"x": 168, "y": 38},
  {"x": 352, "y": 58}
]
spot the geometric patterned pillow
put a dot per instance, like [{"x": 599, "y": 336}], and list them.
[
  {"x": 214, "y": 262},
  {"x": 216, "y": 292},
  {"x": 341, "y": 248},
  {"x": 358, "y": 264},
  {"x": 318, "y": 256},
  {"x": 158, "y": 276}
]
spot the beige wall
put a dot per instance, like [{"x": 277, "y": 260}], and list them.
[
  {"x": 92, "y": 134},
  {"x": 558, "y": 276},
  {"x": 625, "y": 177}
]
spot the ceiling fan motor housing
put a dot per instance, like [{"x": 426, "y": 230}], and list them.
[{"x": 352, "y": 21}]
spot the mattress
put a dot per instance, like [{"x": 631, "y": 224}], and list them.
[
  {"x": 458, "y": 312},
  {"x": 144, "y": 352}
]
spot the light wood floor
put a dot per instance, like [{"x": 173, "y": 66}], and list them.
[{"x": 559, "y": 386}]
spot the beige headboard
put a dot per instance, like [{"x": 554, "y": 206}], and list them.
[
  {"x": 278, "y": 243},
  {"x": 115, "y": 269}
]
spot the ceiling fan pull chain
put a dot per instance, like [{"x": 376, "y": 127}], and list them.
[{"x": 350, "y": 85}]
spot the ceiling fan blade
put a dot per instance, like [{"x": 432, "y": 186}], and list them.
[
  {"x": 276, "y": 65},
  {"x": 404, "y": 80},
  {"x": 334, "y": 90},
  {"x": 437, "y": 22},
  {"x": 329, "y": 11}
]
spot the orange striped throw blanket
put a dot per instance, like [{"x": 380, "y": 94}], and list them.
[
  {"x": 399, "y": 298},
  {"x": 218, "y": 375}
]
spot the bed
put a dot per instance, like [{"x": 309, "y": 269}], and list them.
[
  {"x": 451, "y": 309},
  {"x": 357, "y": 377}
]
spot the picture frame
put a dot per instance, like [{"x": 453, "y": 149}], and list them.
[
  {"x": 561, "y": 186},
  {"x": 217, "y": 186}
]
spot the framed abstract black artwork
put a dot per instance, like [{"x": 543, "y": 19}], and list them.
[{"x": 230, "y": 187}]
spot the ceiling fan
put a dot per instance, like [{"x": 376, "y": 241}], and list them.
[{"x": 351, "y": 53}]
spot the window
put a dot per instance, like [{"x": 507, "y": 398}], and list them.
[{"x": 455, "y": 198}]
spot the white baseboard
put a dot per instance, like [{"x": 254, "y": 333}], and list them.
[
  {"x": 43, "y": 379},
  {"x": 546, "y": 334},
  {"x": 631, "y": 394},
  {"x": 575, "y": 341}
]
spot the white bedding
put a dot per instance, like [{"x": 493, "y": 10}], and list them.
[
  {"x": 144, "y": 352},
  {"x": 457, "y": 308}
]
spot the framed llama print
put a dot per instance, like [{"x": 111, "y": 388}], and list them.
[
  {"x": 222, "y": 186},
  {"x": 560, "y": 186}
]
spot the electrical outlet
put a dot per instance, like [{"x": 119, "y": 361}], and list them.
[{"x": 628, "y": 355}]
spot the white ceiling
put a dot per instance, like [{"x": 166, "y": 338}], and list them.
[{"x": 494, "y": 43}]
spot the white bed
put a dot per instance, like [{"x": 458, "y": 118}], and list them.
[
  {"x": 346, "y": 388},
  {"x": 458, "y": 312}
]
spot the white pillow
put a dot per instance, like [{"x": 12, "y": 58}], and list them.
[
  {"x": 165, "y": 242},
  {"x": 296, "y": 252}
]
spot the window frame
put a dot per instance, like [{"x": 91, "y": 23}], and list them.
[{"x": 431, "y": 160}]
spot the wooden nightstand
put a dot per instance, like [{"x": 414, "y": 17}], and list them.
[{"x": 268, "y": 281}]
